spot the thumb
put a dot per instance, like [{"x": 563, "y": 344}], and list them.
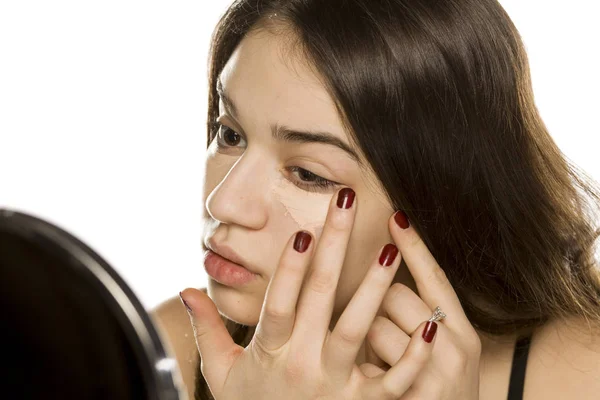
[{"x": 217, "y": 349}]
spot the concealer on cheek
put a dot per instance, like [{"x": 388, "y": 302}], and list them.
[{"x": 307, "y": 209}]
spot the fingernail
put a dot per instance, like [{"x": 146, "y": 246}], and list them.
[
  {"x": 388, "y": 255},
  {"x": 187, "y": 306},
  {"x": 429, "y": 331},
  {"x": 401, "y": 219},
  {"x": 345, "y": 198},
  {"x": 302, "y": 241}
]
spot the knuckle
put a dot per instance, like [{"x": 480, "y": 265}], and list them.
[
  {"x": 474, "y": 344},
  {"x": 395, "y": 293},
  {"x": 293, "y": 267},
  {"x": 477, "y": 348},
  {"x": 438, "y": 276},
  {"x": 414, "y": 240},
  {"x": 349, "y": 336},
  {"x": 457, "y": 359},
  {"x": 322, "y": 282},
  {"x": 277, "y": 314},
  {"x": 377, "y": 328},
  {"x": 378, "y": 324}
]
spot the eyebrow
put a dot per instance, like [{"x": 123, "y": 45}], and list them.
[{"x": 284, "y": 133}]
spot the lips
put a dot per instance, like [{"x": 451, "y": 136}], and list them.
[{"x": 226, "y": 252}]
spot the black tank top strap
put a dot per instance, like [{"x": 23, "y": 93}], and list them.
[{"x": 519, "y": 365}]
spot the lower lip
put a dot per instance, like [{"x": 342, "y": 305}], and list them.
[{"x": 225, "y": 271}]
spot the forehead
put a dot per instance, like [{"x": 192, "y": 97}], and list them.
[{"x": 270, "y": 83}]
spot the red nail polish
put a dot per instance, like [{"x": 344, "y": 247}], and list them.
[
  {"x": 429, "y": 331},
  {"x": 345, "y": 198},
  {"x": 401, "y": 219},
  {"x": 388, "y": 255},
  {"x": 302, "y": 241},
  {"x": 187, "y": 306}
]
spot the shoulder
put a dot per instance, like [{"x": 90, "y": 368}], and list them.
[
  {"x": 564, "y": 360},
  {"x": 173, "y": 323}
]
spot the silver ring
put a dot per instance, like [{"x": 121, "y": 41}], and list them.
[{"x": 438, "y": 315}]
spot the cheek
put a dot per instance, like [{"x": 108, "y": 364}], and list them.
[
  {"x": 369, "y": 234},
  {"x": 304, "y": 210}
]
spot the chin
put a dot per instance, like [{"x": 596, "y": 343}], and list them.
[{"x": 239, "y": 306}]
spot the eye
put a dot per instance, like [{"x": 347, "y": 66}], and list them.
[
  {"x": 309, "y": 181},
  {"x": 227, "y": 137}
]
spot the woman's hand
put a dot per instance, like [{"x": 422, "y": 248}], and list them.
[
  {"x": 293, "y": 354},
  {"x": 453, "y": 370}
]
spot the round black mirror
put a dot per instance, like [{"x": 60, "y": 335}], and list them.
[{"x": 71, "y": 327}]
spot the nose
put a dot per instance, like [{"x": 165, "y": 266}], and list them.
[{"x": 241, "y": 197}]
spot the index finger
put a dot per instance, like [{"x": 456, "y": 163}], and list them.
[{"x": 431, "y": 280}]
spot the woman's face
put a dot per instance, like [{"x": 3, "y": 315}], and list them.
[{"x": 262, "y": 187}]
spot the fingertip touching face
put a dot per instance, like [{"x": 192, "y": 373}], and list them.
[{"x": 279, "y": 154}]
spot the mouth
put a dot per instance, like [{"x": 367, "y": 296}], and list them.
[
  {"x": 225, "y": 270},
  {"x": 226, "y": 253}
]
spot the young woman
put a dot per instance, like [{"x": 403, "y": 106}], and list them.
[{"x": 370, "y": 161}]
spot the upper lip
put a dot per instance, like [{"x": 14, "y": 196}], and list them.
[{"x": 226, "y": 252}]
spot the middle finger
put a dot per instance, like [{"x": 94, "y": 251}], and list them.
[
  {"x": 315, "y": 305},
  {"x": 352, "y": 327},
  {"x": 405, "y": 308}
]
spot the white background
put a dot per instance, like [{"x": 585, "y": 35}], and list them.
[{"x": 103, "y": 111}]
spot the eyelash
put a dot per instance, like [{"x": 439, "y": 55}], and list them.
[{"x": 319, "y": 184}]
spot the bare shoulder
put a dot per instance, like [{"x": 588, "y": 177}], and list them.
[
  {"x": 175, "y": 329},
  {"x": 564, "y": 361}
]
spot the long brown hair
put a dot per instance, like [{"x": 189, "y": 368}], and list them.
[{"x": 438, "y": 96}]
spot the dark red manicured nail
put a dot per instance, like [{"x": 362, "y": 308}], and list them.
[
  {"x": 401, "y": 219},
  {"x": 345, "y": 198},
  {"x": 388, "y": 255},
  {"x": 429, "y": 331},
  {"x": 302, "y": 241},
  {"x": 187, "y": 306}
]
